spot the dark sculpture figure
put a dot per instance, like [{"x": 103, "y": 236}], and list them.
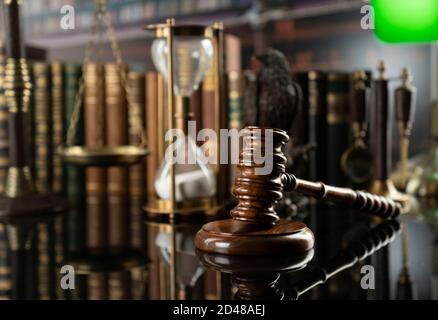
[{"x": 272, "y": 98}]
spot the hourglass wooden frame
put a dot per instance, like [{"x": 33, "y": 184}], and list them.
[{"x": 168, "y": 31}]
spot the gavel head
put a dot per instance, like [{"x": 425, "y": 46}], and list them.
[{"x": 258, "y": 185}]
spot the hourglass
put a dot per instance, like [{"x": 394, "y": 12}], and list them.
[{"x": 185, "y": 182}]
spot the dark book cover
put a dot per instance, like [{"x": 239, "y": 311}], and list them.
[
  {"x": 317, "y": 134},
  {"x": 42, "y": 104},
  {"x": 74, "y": 175},
  {"x": 5, "y": 270},
  {"x": 338, "y": 134},
  {"x": 57, "y": 121},
  {"x": 4, "y": 143},
  {"x": 96, "y": 178},
  {"x": 46, "y": 261}
]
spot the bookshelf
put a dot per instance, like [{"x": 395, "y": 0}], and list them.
[
  {"x": 130, "y": 16},
  {"x": 43, "y": 16}
]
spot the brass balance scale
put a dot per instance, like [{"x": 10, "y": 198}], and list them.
[{"x": 103, "y": 156}]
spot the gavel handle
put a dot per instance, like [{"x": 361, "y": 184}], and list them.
[{"x": 360, "y": 200}]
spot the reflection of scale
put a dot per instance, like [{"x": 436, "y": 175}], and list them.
[{"x": 103, "y": 155}]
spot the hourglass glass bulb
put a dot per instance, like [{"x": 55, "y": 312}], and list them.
[
  {"x": 191, "y": 60},
  {"x": 193, "y": 176}
]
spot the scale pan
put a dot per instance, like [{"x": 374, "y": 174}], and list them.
[{"x": 103, "y": 156}]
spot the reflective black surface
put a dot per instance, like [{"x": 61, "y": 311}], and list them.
[{"x": 36, "y": 255}]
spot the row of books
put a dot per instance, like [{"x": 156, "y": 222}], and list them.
[{"x": 43, "y": 16}]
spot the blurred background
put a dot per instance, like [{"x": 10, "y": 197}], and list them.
[
  {"x": 313, "y": 34},
  {"x": 323, "y": 35}
]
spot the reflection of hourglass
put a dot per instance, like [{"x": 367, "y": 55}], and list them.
[
  {"x": 191, "y": 60},
  {"x": 189, "y": 268}
]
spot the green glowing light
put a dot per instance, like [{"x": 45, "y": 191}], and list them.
[{"x": 406, "y": 20}]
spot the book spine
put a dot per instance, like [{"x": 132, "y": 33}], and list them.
[
  {"x": 317, "y": 109},
  {"x": 57, "y": 88},
  {"x": 137, "y": 173},
  {"x": 236, "y": 84},
  {"x": 155, "y": 107},
  {"x": 318, "y": 124},
  {"x": 137, "y": 179},
  {"x": 338, "y": 86},
  {"x": 46, "y": 261},
  {"x": 153, "y": 112},
  {"x": 116, "y": 116},
  {"x": 42, "y": 125},
  {"x": 57, "y": 120},
  {"x": 97, "y": 286},
  {"x": 4, "y": 141},
  {"x": 74, "y": 184},
  {"x": 5, "y": 270},
  {"x": 317, "y": 86},
  {"x": 94, "y": 137},
  {"x": 96, "y": 211},
  {"x": 75, "y": 176},
  {"x": 208, "y": 102}
]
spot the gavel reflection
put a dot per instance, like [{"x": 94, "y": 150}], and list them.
[
  {"x": 376, "y": 239},
  {"x": 257, "y": 277}
]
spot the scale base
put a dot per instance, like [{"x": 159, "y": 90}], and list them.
[{"x": 27, "y": 206}]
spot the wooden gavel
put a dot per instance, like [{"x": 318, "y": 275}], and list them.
[
  {"x": 249, "y": 183},
  {"x": 255, "y": 229}
]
